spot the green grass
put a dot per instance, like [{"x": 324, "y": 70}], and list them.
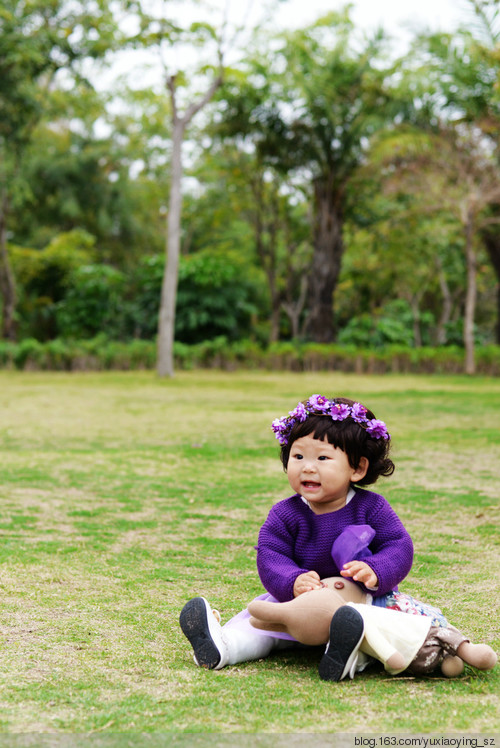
[{"x": 124, "y": 495}]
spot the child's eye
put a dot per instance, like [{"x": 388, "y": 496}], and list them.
[
  {"x": 297, "y": 457},
  {"x": 323, "y": 457}
]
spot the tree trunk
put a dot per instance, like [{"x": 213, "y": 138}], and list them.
[
  {"x": 447, "y": 305},
  {"x": 166, "y": 318},
  {"x": 417, "y": 332},
  {"x": 327, "y": 257},
  {"x": 266, "y": 223},
  {"x": 272, "y": 229},
  {"x": 470, "y": 297},
  {"x": 492, "y": 243},
  {"x": 7, "y": 285},
  {"x": 293, "y": 308}
]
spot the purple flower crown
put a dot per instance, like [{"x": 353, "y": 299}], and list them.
[{"x": 319, "y": 405}]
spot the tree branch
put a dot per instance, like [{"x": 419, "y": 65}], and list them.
[{"x": 195, "y": 107}]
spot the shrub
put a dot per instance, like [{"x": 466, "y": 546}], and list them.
[
  {"x": 101, "y": 353},
  {"x": 94, "y": 302},
  {"x": 29, "y": 354},
  {"x": 7, "y": 353}
]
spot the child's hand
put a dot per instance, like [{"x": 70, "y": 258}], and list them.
[
  {"x": 360, "y": 572},
  {"x": 310, "y": 580}
]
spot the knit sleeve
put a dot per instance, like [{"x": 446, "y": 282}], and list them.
[
  {"x": 275, "y": 551},
  {"x": 392, "y": 547}
]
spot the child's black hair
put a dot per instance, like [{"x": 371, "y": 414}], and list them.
[{"x": 350, "y": 437}]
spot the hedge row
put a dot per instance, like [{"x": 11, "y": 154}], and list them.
[{"x": 101, "y": 354}]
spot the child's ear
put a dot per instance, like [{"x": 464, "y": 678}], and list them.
[{"x": 361, "y": 471}]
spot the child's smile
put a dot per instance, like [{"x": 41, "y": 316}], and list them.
[{"x": 321, "y": 473}]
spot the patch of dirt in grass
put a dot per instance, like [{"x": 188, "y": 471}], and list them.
[
  {"x": 239, "y": 514},
  {"x": 443, "y": 470},
  {"x": 48, "y": 507}
]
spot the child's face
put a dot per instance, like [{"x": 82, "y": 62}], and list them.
[{"x": 321, "y": 473}]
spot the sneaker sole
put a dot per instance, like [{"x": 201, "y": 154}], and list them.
[
  {"x": 194, "y": 624},
  {"x": 346, "y": 633}
]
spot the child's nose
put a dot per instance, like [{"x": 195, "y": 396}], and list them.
[{"x": 309, "y": 466}]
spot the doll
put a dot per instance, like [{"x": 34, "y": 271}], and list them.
[{"x": 402, "y": 642}]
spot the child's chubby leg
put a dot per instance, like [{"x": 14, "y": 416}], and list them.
[{"x": 215, "y": 646}]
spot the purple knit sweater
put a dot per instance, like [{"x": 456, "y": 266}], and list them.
[{"x": 294, "y": 539}]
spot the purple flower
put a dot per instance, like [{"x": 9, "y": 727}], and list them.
[
  {"x": 278, "y": 426},
  {"x": 299, "y": 413},
  {"x": 340, "y": 411},
  {"x": 358, "y": 413},
  {"x": 377, "y": 429},
  {"x": 319, "y": 403}
]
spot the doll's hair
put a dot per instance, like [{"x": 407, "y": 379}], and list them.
[{"x": 351, "y": 437}]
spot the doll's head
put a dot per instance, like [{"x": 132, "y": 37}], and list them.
[{"x": 344, "y": 423}]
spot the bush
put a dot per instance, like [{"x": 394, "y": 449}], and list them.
[
  {"x": 7, "y": 354},
  {"x": 100, "y": 353},
  {"x": 94, "y": 302},
  {"x": 43, "y": 277},
  {"x": 392, "y": 325},
  {"x": 216, "y": 297},
  {"x": 29, "y": 354}
]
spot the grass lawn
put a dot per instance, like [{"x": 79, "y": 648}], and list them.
[{"x": 123, "y": 496}]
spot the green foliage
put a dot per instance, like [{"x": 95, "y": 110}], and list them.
[
  {"x": 64, "y": 294},
  {"x": 325, "y": 106},
  {"x": 45, "y": 276},
  {"x": 78, "y": 179},
  {"x": 37, "y": 40},
  {"x": 93, "y": 303},
  {"x": 392, "y": 325},
  {"x": 47, "y": 272},
  {"x": 101, "y": 353},
  {"x": 143, "y": 297},
  {"x": 216, "y": 296}
]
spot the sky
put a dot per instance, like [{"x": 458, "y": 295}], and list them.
[
  {"x": 393, "y": 15},
  {"x": 400, "y": 18}
]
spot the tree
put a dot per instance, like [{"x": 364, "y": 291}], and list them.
[
  {"x": 398, "y": 252},
  {"x": 241, "y": 202},
  {"x": 166, "y": 320},
  {"x": 110, "y": 179},
  {"x": 466, "y": 69},
  {"x": 38, "y": 40},
  {"x": 281, "y": 244},
  {"x": 451, "y": 172},
  {"x": 311, "y": 114},
  {"x": 157, "y": 32}
]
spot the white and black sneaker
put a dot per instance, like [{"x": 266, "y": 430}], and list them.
[
  {"x": 341, "y": 654},
  {"x": 201, "y": 626}
]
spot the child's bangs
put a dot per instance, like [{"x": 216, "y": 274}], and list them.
[{"x": 322, "y": 427}]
